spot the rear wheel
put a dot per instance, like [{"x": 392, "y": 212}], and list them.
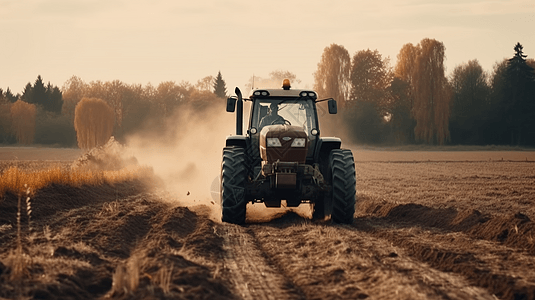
[
  {"x": 233, "y": 179},
  {"x": 343, "y": 182}
]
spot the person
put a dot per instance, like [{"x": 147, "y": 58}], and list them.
[{"x": 272, "y": 117}]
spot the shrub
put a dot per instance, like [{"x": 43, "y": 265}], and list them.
[
  {"x": 93, "y": 122},
  {"x": 23, "y": 121}
]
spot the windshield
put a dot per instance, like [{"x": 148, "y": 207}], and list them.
[{"x": 292, "y": 112}]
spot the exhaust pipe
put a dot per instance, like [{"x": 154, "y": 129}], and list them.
[{"x": 239, "y": 112}]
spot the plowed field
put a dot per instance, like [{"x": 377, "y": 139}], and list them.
[{"x": 429, "y": 225}]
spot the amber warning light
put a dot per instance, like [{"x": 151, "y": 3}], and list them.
[{"x": 286, "y": 84}]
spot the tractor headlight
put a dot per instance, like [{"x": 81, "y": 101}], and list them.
[
  {"x": 299, "y": 142},
  {"x": 273, "y": 142}
]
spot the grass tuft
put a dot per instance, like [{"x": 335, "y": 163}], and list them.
[
  {"x": 12, "y": 179},
  {"x": 18, "y": 261},
  {"x": 163, "y": 278},
  {"x": 126, "y": 277}
]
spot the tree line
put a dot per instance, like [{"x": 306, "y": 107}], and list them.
[
  {"x": 87, "y": 114},
  {"x": 415, "y": 102},
  {"x": 411, "y": 102}
]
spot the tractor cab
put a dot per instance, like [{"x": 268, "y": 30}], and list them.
[
  {"x": 282, "y": 157},
  {"x": 279, "y": 118},
  {"x": 283, "y": 109}
]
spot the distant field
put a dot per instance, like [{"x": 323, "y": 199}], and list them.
[
  {"x": 467, "y": 153},
  {"x": 404, "y": 153},
  {"x": 490, "y": 187},
  {"x": 33, "y": 153}
]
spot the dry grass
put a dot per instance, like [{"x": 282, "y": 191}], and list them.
[
  {"x": 18, "y": 264},
  {"x": 126, "y": 276},
  {"x": 17, "y": 181},
  {"x": 25, "y": 183},
  {"x": 163, "y": 278},
  {"x": 18, "y": 260}
]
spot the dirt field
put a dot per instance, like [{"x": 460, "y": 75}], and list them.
[{"x": 429, "y": 225}]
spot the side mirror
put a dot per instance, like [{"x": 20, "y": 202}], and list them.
[
  {"x": 333, "y": 108},
  {"x": 231, "y": 104}
]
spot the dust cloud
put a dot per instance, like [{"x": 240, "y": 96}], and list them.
[
  {"x": 185, "y": 152},
  {"x": 333, "y": 125}
]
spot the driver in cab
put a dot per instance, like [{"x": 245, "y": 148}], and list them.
[{"x": 272, "y": 117}]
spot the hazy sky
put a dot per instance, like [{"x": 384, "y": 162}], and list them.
[{"x": 139, "y": 41}]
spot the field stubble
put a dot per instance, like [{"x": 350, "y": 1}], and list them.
[
  {"x": 490, "y": 187},
  {"x": 428, "y": 226}
]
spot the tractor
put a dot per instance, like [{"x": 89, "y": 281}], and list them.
[{"x": 282, "y": 157}]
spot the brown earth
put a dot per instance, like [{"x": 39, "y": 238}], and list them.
[{"x": 424, "y": 229}]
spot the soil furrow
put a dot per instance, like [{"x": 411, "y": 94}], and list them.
[
  {"x": 341, "y": 262},
  {"x": 514, "y": 230},
  {"x": 252, "y": 275},
  {"x": 503, "y": 271},
  {"x": 426, "y": 230}
]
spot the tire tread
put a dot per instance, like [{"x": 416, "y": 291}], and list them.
[
  {"x": 233, "y": 179},
  {"x": 343, "y": 185}
]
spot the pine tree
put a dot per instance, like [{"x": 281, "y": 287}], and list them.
[
  {"x": 39, "y": 95},
  {"x": 54, "y": 99},
  {"x": 48, "y": 97},
  {"x": 520, "y": 99},
  {"x": 220, "y": 89},
  {"x": 9, "y": 95},
  {"x": 27, "y": 93}
]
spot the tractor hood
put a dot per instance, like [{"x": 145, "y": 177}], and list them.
[{"x": 283, "y": 143}]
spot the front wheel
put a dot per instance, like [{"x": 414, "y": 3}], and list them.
[
  {"x": 343, "y": 182},
  {"x": 233, "y": 179}
]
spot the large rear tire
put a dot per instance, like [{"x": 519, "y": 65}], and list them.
[
  {"x": 233, "y": 179},
  {"x": 343, "y": 182}
]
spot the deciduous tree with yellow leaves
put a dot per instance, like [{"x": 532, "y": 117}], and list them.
[
  {"x": 93, "y": 121},
  {"x": 331, "y": 79},
  {"x": 23, "y": 121},
  {"x": 422, "y": 67}
]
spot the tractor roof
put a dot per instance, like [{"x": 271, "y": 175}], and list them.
[
  {"x": 285, "y": 92},
  {"x": 265, "y": 93}
]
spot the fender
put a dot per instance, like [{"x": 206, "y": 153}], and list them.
[
  {"x": 236, "y": 141},
  {"x": 326, "y": 144}
]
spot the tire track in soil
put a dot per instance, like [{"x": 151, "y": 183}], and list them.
[
  {"x": 252, "y": 274},
  {"x": 327, "y": 261},
  {"x": 505, "y": 272}
]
